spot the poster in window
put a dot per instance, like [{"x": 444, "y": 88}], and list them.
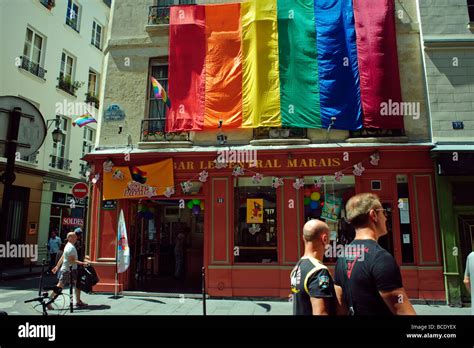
[
  {"x": 332, "y": 208},
  {"x": 254, "y": 210}
]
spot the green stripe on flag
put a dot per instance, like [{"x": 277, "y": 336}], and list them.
[{"x": 299, "y": 82}]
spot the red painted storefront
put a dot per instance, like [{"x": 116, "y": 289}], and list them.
[{"x": 423, "y": 278}]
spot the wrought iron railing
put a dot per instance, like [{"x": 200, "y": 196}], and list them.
[
  {"x": 160, "y": 14},
  {"x": 378, "y": 133},
  {"x": 279, "y": 133},
  {"x": 83, "y": 169},
  {"x": 33, "y": 68},
  {"x": 60, "y": 163},
  {"x": 153, "y": 129},
  {"x": 33, "y": 159},
  {"x": 73, "y": 23},
  {"x": 49, "y": 4}
]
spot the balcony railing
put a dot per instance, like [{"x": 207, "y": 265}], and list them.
[
  {"x": 160, "y": 14},
  {"x": 378, "y": 133},
  {"x": 73, "y": 23},
  {"x": 33, "y": 68},
  {"x": 153, "y": 129},
  {"x": 49, "y": 4},
  {"x": 31, "y": 158},
  {"x": 60, "y": 163},
  {"x": 279, "y": 133},
  {"x": 92, "y": 99},
  {"x": 65, "y": 84},
  {"x": 83, "y": 169}
]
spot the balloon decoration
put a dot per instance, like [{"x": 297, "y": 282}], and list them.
[
  {"x": 307, "y": 201},
  {"x": 314, "y": 205},
  {"x": 307, "y": 192},
  {"x": 315, "y": 196},
  {"x": 196, "y": 206},
  {"x": 196, "y": 210}
]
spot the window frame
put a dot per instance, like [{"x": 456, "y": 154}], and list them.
[
  {"x": 95, "y": 24},
  {"x": 32, "y": 46},
  {"x": 77, "y": 16},
  {"x": 63, "y": 66},
  {"x": 62, "y": 148},
  {"x": 237, "y": 218},
  {"x": 470, "y": 10},
  {"x": 96, "y": 83},
  {"x": 163, "y": 80}
]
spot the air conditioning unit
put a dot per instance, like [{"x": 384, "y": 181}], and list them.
[
  {"x": 284, "y": 133},
  {"x": 274, "y": 133}
]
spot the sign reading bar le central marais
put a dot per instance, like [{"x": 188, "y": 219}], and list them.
[{"x": 265, "y": 163}]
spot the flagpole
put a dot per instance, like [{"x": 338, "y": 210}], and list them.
[{"x": 116, "y": 257}]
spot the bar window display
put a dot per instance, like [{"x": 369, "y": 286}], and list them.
[
  {"x": 255, "y": 222},
  {"x": 325, "y": 199}
]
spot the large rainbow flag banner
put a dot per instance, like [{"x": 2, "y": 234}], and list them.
[{"x": 283, "y": 63}]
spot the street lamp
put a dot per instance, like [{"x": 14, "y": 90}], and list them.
[{"x": 57, "y": 134}]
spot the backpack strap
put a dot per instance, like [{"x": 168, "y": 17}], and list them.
[{"x": 317, "y": 267}]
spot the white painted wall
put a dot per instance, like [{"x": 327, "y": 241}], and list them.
[{"x": 15, "y": 16}]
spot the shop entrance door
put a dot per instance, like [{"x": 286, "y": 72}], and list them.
[
  {"x": 466, "y": 237},
  {"x": 169, "y": 247}
]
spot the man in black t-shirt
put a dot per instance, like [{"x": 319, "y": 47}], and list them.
[
  {"x": 311, "y": 283},
  {"x": 369, "y": 276}
]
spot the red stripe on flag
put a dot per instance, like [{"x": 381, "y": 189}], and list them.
[
  {"x": 186, "y": 77},
  {"x": 378, "y": 61}
]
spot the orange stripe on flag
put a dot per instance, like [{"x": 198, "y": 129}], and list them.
[{"x": 223, "y": 67}]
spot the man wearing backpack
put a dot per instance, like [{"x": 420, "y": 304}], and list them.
[
  {"x": 372, "y": 282},
  {"x": 312, "y": 286}
]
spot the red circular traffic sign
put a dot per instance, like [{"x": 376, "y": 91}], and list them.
[{"x": 80, "y": 190}]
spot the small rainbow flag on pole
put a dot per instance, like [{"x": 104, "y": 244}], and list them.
[
  {"x": 83, "y": 120},
  {"x": 160, "y": 92}
]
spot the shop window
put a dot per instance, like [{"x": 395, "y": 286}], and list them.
[
  {"x": 328, "y": 203},
  {"x": 255, "y": 222}
]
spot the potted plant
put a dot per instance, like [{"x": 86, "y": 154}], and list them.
[
  {"x": 67, "y": 85},
  {"x": 91, "y": 98}
]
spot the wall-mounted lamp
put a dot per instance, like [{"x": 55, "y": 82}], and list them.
[{"x": 57, "y": 134}]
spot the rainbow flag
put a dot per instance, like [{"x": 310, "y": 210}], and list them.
[
  {"x": 160, "y": 92},
  {"x": 138, "y": 175},
  {"x": 283, "y": 63},
  {"x": 83, "y": 120}
]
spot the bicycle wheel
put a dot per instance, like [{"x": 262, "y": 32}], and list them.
[{"x": 60, "y": 304}]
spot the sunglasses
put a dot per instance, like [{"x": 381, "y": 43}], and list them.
[{"x": 385, "y": 212}]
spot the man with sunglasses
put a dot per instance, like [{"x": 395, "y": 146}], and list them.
[{"x": 372, "y": 282}]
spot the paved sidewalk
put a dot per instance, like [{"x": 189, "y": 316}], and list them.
[{"x": 13, "y": 294}]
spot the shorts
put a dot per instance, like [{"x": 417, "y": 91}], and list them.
[{"x": 65, "y": 277}]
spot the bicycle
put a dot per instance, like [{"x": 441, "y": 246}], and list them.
[{"x": 59, "y": 302}]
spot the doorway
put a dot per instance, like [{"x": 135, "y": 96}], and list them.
[
  {"x": 465, "y": 224},
  {"x": 168, "y": 244}
]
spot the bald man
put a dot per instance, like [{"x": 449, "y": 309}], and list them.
[{"x": 311, "y": 283}]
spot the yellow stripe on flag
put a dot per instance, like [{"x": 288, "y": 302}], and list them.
[{"x": 260, "y": 65}]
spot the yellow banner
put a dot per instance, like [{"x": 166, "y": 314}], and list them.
[
  {"x": 260, "y": 64},
  {"x": 254, "y": 210},
  {"x": 138, "y": 181}
]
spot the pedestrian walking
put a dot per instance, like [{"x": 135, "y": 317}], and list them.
[
  {"x": 369, "y": 275},
  {"x": 312, "y": 285},
  {"x": 54, "y": 243}
]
